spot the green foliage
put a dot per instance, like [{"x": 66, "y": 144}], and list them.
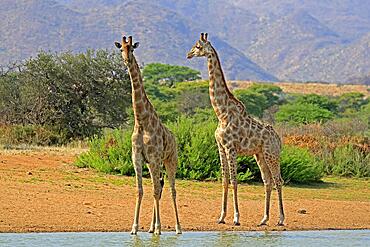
[
  {"x": 255, "y": 103},
  {"x": 198, "y": 156},
  {"x": 74, "y": 94},
  {"x": 273, "y": 94},
  {"x": 348, "y": 161},
  {"x": 302, "y": 113},
  {"x": 197, "y": 149},
  {"x": 350, "y": 103},
  {"x": 169, "y": 75},
  {"x": 192, "y": 96},
  {"x": 323, "y": 102},
  {"x": 298, "y": 165},
  {"x": 186, "y": 98},
  {"x": 259, "y": 97},
  {"x": 110, "y": 153}
]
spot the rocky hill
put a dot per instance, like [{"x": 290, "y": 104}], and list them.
[{"x": 270, "y": 40}]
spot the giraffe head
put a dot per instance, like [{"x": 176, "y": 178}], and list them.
[
  {"x": 202, "y": 47},
  {"x": 127, "y": 49}
]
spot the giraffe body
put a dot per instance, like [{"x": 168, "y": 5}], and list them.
[
  {"x": 240, "y": 134},
  {"x": 152, "y": 143}
]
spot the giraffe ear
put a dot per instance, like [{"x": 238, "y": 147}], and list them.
[
  {"x": 118, "y": 45},
  {"x": 136, "y": 45}
]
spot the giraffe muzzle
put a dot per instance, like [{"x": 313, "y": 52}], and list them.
[{"x": 189, "y": 55}]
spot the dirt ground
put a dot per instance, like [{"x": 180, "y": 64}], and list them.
[{"x": 41, "y": 191}]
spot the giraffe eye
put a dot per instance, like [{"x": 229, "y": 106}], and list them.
[{"x": 198, "y": 47}]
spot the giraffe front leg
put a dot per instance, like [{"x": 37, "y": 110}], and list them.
[
  {"x": 151, "y": 229},
  {"x": 225, "y": 183},
  {"x": 139, "y": 184},
  {"x": 231, "y": 158},
  {"x": 157, "y": 190}
]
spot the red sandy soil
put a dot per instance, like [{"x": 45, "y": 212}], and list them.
[{"x": 42, "y": 191}]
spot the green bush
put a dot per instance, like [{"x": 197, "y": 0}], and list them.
[
  {"x": 299, "y": 113},
  {"x": 298, "y": 165},
  {"x": 169, "y": 75},
  {"x": 351, "y": 102},
  {"x": 273, "y": 94},
  {"x": 347, "y": 161},
  {"x": 110, "y": 153},
  {"x": 197, "y": 149},
  {"x": 259, "y": 97},
  {"x": 255, "y": 103},
  {"x": 321, "y": 101},
  {"x": 198, "y": 156}
]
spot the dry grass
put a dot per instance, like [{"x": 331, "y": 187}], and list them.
[{"x": 311, "y": 88}]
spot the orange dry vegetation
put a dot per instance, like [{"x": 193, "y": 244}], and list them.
[{"x": 310, "y": 88}]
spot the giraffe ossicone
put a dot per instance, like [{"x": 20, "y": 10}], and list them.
[
  {"x": 240, "y": 133},
  {"x": 152, "y": 142}
]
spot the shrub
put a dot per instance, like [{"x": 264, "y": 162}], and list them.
[
  {"x": 351, "y": 102},
  {"x": 197, "y": 149},
  {"x": 30, "y": 135},
  {"x": 273, "y": 94},
  {"x": 298, "y": 165},
  {"x": 198, "y": 156},
  {"x": 323, "y": 102},
  {"x": 297, "y": 113},
  {"x": 255, "y": 103},
  {"x": 166, "y": 74},
  {"x": 110, "y": 153},
  {"x": 348, "y": 161}
]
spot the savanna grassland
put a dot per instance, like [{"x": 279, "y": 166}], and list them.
[{"x": 65, "y": 156}]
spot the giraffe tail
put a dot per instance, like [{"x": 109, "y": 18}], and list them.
[{"x": 161, "y": 181}]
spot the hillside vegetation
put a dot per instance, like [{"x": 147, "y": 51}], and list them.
[{"x": 257, "y": 40}]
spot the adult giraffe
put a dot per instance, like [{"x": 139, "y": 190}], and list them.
[
  {"x": 152, "y": 142},
  {"x": 239, "y": 133}
]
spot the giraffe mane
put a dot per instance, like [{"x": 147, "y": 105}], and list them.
[{"x": 228, "y": 92}]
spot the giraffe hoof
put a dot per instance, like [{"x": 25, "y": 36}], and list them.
[
  {"x": 236, "y": 223},
  {"x": 178, "y": 229},
  {"x": 151, "y": 230},
  {"x": 220, "y": 222},
  {"x": 262, "y": 224},
  {"x": 280, "y": 224},
  {"x": 133, "y": 232}
]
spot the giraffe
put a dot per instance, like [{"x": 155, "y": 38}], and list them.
[
  {"x": 152, "y": 142},
  {"x": 239, "y": 133}
]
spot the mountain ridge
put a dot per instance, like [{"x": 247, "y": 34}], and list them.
[{"x": 274, "y": 40}]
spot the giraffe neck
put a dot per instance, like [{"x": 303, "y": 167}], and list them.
[
  {"x": 140, "y": 102},
  {"x": 223, "y": 101}
]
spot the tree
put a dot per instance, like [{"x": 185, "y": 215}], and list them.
[
  {"x": 169, "y": 75},
  {"x": 74, "y": 94},
  {"x": 351, "y": 102},
  {"x": 303, "y": 113},
  {"x": 319, "y": 100}
]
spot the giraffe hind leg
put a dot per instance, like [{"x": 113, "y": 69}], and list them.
[
  {"x": 274, "y": 166},
  {"x": 171, "y": 167},
  {"x": 152, "y": 225},
  {"x": 268, "y": 183}
]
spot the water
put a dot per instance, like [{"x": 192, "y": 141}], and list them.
[{"x": 265, "y": 239}]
